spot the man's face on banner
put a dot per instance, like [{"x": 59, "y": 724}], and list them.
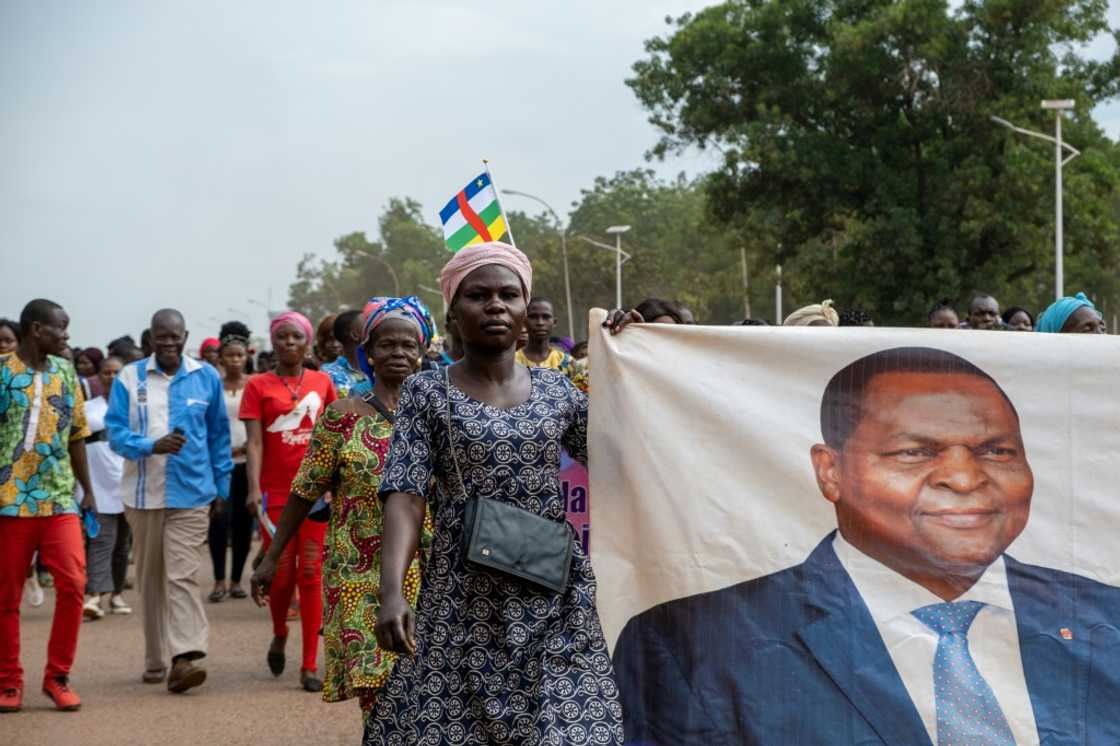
[{"x": 934, "y": 478}]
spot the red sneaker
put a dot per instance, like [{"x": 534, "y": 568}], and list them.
[
  {"x": 61, "y": 694},
  {"x": 11, "y": 699}
]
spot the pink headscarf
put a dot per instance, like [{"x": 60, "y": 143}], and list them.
[
  {"x": 292, "y": 317},
  {"x": 478, "y": 255}
]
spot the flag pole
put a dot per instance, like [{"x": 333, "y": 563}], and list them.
[{"x": 497, "y": 195}]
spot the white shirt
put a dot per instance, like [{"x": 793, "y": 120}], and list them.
[
  {"x": 105, "y": 467},
  {"x": 238, "y": 436},
  {"x": 993, "y": 638}
]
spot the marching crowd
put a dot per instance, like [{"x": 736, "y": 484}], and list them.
[{"x": 365, "y": 451}]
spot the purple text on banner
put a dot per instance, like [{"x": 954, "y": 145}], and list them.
[{"x": 573, "y": 487}]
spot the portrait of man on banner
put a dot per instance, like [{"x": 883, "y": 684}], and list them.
[{"x": 908, "y": 624}]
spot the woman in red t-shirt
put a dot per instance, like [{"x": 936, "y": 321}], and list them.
[{"x": 279, "y": 409}]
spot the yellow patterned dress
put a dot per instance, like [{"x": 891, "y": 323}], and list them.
[
  {"x": 346, "y": 456},
  {"x": 559, "y": 360}
]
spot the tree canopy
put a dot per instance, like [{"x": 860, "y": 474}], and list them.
[
  {"x": 856, "y": 136},
  {"x": 678, "y": 252},
  {"x": 407, "y": 254},
  {"x": 857, "y": 150}
]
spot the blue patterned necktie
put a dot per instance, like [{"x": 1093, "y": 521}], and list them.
[{"x": 967, "y": 710}]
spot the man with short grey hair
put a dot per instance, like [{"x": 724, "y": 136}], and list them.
[{"x": 167, "y": 417}]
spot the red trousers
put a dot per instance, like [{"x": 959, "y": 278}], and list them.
[
  {"x": 59, "y": 541},
  {"x": 300, "y": 564}
]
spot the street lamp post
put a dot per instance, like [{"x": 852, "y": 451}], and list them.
[
  {"x": 746, "y": 284},
  {"x": 778, "y": 298},
  {"x": 563, "y": 254},
  {"x": 436, "y": 291},
  {"x": 392, "y": 275},
  {"x": 617, "y": 231},
  {"x": 1057, "y": 106},
  {"x": 266, "y": 306},
  {"x": 606, "y": 247}
]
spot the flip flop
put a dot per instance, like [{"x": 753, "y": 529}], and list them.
[
  {"x": 238, "y": 592},
  {"x": 216, "y": 596}
]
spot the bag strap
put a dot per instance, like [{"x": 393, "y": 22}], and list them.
[
  {"x": 450, "y": 431},
  {"x": 371, "y": 399}
]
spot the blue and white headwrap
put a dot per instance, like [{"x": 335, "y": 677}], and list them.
[{"x": 380, "y": 309}]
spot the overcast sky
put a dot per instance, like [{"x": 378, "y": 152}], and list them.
[{"x": 189, "y": 153}]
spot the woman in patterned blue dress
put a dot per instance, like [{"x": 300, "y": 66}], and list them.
[{"x": 487, "y": 658}]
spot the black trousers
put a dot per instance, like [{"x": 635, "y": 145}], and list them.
[
  {"x": 233, "y": 525},
  {"x": 121, "y": 549}
]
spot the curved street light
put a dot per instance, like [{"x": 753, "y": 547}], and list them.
[
  {"x": 621, "y": 257},
  {"x": 617, "y": 231},
  {"x": 563, "y": 253},
  {"x": 439, "y": 293},
  {"x": 1060, "y": 161},
  {"x": 392, "y": 273}
]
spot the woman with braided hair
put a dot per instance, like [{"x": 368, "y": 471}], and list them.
[{"x": 233, "y": 524}]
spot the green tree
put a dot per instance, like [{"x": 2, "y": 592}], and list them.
[
  {"x": 679, "y": 253},
  {"x": 856, "y": 141},
  {"x": 408, "y": 254}
]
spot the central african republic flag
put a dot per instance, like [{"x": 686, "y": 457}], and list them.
[{"x": 473, "y": 215}]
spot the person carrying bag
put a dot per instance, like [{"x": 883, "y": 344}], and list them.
[{"x": 507, "y": 600}]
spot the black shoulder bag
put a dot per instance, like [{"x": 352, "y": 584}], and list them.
[{"x": 510, "y": 539}]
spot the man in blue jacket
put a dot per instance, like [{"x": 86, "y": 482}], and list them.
[
  {"x": 907, "y": 625},
  {"x": 167, "y": 418}
]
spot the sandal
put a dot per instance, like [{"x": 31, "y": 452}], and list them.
[
  {"x": 217, "y": 595},
  {"x": 154, "y": 676},
  {"x": 237, "y": 592},
  {"x": 310, "y": 682},
  {"x": 276, "y": 658}
]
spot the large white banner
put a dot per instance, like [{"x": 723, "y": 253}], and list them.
[{"x": 971, "y": 592}]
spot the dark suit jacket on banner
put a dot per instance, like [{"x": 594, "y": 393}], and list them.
[{"x": 795, "y": 658}]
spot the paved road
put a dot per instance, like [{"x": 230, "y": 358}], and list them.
[{"x": 240, "y": 703}]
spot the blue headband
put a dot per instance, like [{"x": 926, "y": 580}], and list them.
[{"x": 1057, "y": 314}]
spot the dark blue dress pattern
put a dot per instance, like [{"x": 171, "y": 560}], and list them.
[{"x": 498, "y": 661}]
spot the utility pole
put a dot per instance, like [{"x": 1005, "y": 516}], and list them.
[
  {"x": 1059, "y": 230},
  {"x": 1060, "y": 160},
  {"x": 746, "y": 284},
  {"x": 617, "y": 231},
  {"x": 563, "y": 253},
  {"x": 778, "y": 298}
]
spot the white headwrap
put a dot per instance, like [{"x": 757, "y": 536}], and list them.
[{"x": 822, "y": 311}]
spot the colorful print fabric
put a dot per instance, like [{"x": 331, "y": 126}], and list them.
[
  {"x": 40, "y": 413},
  {"x": 561, "y": 361},
  {"x": 346, "y": 457},
  {"x": 343, "y": 376}
]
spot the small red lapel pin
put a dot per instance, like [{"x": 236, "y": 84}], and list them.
[{"x": 1066, "y": 633}]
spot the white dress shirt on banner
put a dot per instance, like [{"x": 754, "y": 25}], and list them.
[{"x": 993, "y": 638}]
